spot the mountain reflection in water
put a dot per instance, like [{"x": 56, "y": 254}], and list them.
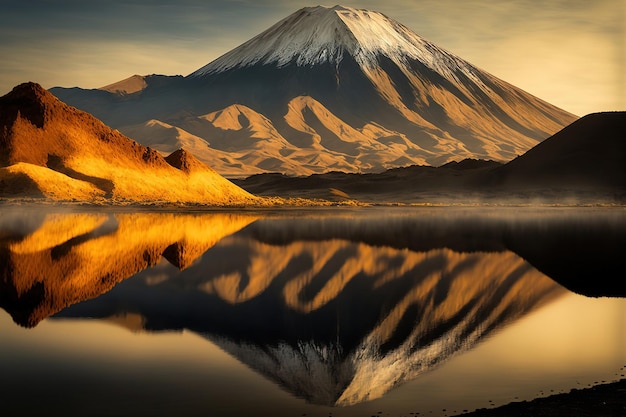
[{"x": 337, "y": 310}]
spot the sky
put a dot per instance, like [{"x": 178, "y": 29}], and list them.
[{"x": 571, "y": 53}]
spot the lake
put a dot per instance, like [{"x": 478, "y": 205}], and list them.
[{"x": 385, "y": 311}]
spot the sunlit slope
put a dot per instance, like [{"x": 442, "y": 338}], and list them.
[
  {"x": 132, "y": 84},
  {"x": 166, "y": 139},
  {"x": 75, "y": 257},
  {"x": 62, "y": 153},
  {"x": 23, "y": 179}
]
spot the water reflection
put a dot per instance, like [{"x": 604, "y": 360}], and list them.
[
  {"x": 337, "y": 310},
  {"x": 62, "y": 259}
]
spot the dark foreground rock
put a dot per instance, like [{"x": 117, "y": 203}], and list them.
[{"x": 607, "y": 400}]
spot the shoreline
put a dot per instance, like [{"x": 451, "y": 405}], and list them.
[
  {"x": 604, "y": 400},
  {"x": 294, "y": 203}
]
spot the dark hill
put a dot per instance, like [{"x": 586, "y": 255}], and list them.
[{"x": 589, "y": 154}]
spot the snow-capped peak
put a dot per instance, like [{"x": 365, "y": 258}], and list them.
[
  {"x": 315, "y": 35},
  {"x": 309, "y": 36}
]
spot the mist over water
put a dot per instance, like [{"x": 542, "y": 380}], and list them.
[{"x": 348, "y": 312}]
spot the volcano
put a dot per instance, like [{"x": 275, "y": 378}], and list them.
[{"x": 328, "y": 88}]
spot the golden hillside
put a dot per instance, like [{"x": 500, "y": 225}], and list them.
[
  {"x": 54, "y": 151},
  {"x": 75, "y": 257}
]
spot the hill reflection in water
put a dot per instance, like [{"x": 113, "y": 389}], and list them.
[
  {"x": 60, "y": 259},
  {"x": 336, "y": 309}
]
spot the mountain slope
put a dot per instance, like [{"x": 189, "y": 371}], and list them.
[
  {"x": 583, "y": 162},
  {"x": 410, "y": 101},
  {"x": 44, "y": 143}
]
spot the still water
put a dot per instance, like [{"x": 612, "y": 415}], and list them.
[{"x": 342, "y": 312}]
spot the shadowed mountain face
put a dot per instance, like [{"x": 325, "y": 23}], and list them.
[
  {"x": 337, "y": 310},
  {"x": 328, "y": 89},
  {"x": 588, "y": 154},
  {"x": 49, "y": 149}
]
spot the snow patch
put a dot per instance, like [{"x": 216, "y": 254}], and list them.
[{"x": 316, "y": 35}]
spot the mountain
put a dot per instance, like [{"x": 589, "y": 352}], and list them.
[
  {"x": 331, "y": 88},
  {"x": 51, "y": 150}
]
